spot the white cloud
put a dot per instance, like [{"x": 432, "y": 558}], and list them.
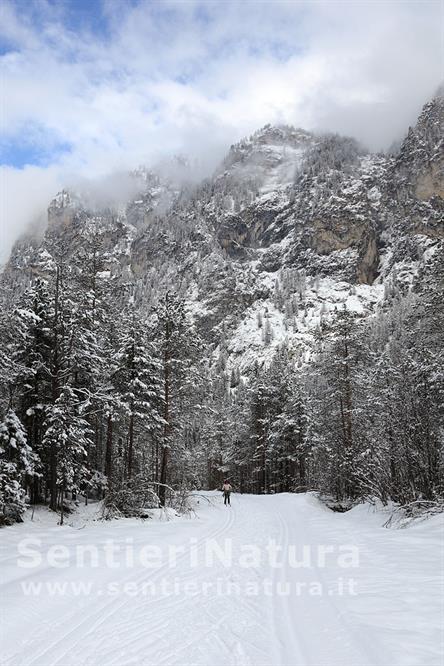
[
  {"x": 25, "y": 194},
  {"x": 194, "y": 77}
]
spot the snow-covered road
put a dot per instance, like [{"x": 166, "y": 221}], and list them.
[{"x": 346, "y": 592}]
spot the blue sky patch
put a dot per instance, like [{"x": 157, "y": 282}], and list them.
[{"x": 18, "y": 154}]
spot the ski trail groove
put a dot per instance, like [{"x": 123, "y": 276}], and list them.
[
  {"x": 285, "y": 623},
  {"x": 86, "y": 621}
]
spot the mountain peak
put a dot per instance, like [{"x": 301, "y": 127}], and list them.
[{"x": 271, "y": 135}]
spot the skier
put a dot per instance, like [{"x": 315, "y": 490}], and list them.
[{"x": 226, "y": 489}]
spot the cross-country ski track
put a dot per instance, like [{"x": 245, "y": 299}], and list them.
[{"x": 228, "y": 612}]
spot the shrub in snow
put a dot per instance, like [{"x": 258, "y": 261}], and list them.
[
  {"x": 131, "y": 498},
  {"x": 138, "y": 496}
]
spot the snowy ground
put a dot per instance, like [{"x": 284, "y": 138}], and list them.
[{"x": 365, "y": 595}]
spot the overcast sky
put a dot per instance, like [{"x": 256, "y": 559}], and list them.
[{"x": 92, "y": 87}]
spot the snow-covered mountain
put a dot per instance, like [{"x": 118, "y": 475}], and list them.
[{"x": 289, "y": 228}]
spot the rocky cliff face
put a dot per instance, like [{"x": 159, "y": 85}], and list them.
[
  {"x": 419, "y": 167},
  {"x": 290, "y": 227}
]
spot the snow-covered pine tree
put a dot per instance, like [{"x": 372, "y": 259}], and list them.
[
  {"x": 18, "y": 465},
  {"x": 180, "y": 348},
  {"x": 288, "y": 436},
  {"x": 67, "y": 437},
  {"x": 32, "y": 355},
  {"x": 332, "y": 388},
  {"x": 137, "y": 378}
]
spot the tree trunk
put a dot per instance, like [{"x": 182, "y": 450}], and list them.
[
  {"x": 109, "y": 449},
  {"x": 166, "y": 416},
  {"x": 55, "y": 395},
  {"x": 62, "y": 495},
  {"x": 130, "y": 443}
]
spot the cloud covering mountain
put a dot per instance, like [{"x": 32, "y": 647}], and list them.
[{"x": 92, "y": 90}]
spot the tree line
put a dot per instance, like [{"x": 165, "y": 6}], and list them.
[{"x": 104, "y": 397}]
